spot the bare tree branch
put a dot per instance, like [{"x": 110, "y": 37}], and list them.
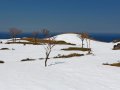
[
  {"x": 82, "y": 36},
  {"x": 35, "y": 35},
  {"x": 14, "y": 32},
  {"x": 48, "y": 45}
]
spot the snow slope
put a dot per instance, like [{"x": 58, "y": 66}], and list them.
[
  {"x": 69, "y": 37},
  {"x": 77, "y": 73}
]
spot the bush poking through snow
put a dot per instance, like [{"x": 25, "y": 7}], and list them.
[
  {"x": 2, "y": 61},
  {"x": 113, "y": 64},
  {"x": 106, "y": 63},
  {"x": 4, "y": 49},
  {"x": 116, "y": 47},
  {"x": 76, "y": 48},
  {"x": 28, "y": 59},
  {"x": 69, "y": 55},
  {"x": 40, "y": 41}
]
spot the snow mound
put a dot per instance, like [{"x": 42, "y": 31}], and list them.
[
  {"x": 69, "y": 37},
  {"x": 73, "y": 38}
]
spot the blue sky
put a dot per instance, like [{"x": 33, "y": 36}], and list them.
[{"x": 101, "y": 16}]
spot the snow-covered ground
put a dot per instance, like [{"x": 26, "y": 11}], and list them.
[{"x": 76, "y": 73}]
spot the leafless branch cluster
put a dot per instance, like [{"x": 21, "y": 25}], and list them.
[
  {"x": 84, "y": 36},
  {"x": 48, "y": 48},
  {"x": 35, "y": 35},
  {"x": 49, "y": 45},
  {"x": 14, "y": 32}
]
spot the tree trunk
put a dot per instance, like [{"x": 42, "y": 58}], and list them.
[
  {"x": 46, "y": 59},
  {"x": 82, "y": 44},
  {"x": 35, "y": 40},
  {"x": 13, "y": 39},
  {"x": 87, "y": 43}
]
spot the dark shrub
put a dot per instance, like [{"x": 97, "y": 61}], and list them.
[
  {"x": 68, "y": 56},
  {"x": 2, "y": 61},
  {"x": 105, "y": 63},
  {"x": 116, "y": 47},
  {"x": 113, "y": 64},
  {"x": 76, "y": 48},
  {"x": 27, "y": 59},
  {"x": 40, "y": 41},
  {"x": 4, "y": 49}
]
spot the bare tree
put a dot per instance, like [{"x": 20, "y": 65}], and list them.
[
  {"x": 82, "y": 36},
  {"x": 14, "y": 32},
  {"x": 35, "y": 35},
  {"x": 45, "y": 32},
  {"x": 89, "y": 47},
  {"x": 89, "y": 44},
  {"x": 86, "y": 38},
  {"x": 48, "y": 45}
]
